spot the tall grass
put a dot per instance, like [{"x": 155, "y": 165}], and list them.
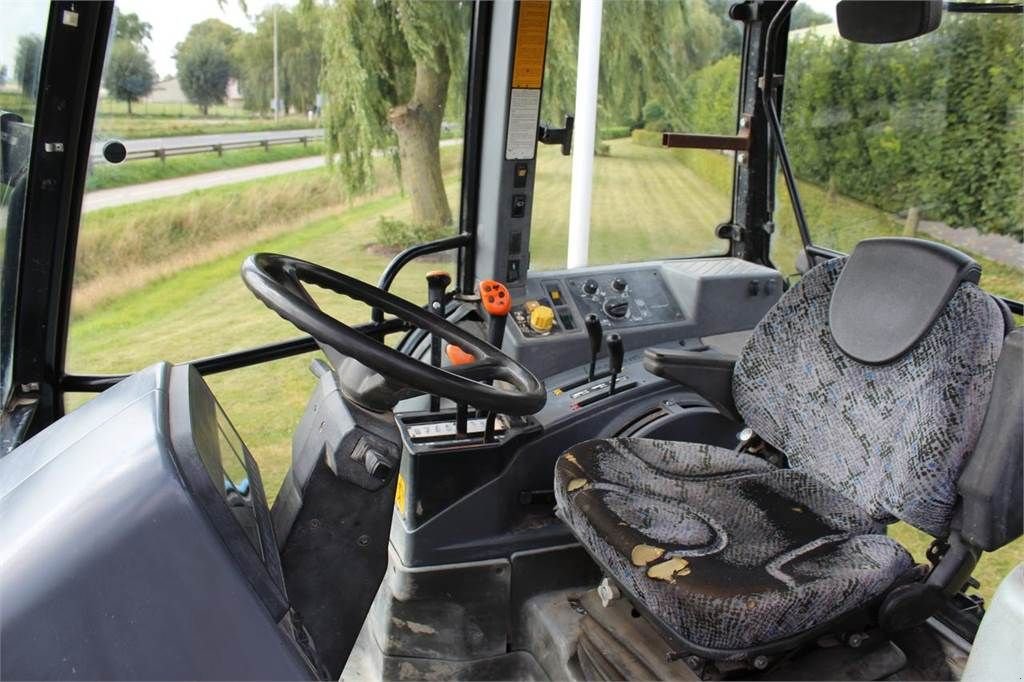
[{"x": 126, "y": 247}]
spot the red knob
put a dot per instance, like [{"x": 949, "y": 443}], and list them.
[{"x": 495, "y": 298}]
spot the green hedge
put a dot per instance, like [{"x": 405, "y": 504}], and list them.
[
  {"x": 936, "y": 123},
  {"x": 613, "y": 132}
]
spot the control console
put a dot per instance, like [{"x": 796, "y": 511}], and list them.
[
  {"x": 645, "y": 304},
  {"x": 628, "y": 299}
]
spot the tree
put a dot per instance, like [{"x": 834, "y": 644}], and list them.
[
  {"x": 130, "y": 75},
  {"x": 300, "y": 39},
  {"x": 387, "y": 74},
  {"x": 27, "y": 61},
  {"x": 687, "y": 33},
  {"x": 204, "y": 69},
  {"x": 3, "y": 75},
  {"x": 804, "y": 16},
  {"x": 215, "y": 30},
  {"x": 132, "y": 29}
]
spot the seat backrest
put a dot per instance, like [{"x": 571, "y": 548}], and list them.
[{"x": 873, "y": 373}]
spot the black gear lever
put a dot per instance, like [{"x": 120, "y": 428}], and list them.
[
  {"x": 437, "y": 282},
  {"x": 593, "y": 325},
  {"x": 615, "y": 355}
]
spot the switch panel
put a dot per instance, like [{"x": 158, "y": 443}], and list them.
[{"x": 631, "y": 299}]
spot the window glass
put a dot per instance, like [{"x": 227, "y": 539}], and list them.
[
  {"x": 665, "y": 65},
  {"x": 219, "y": 167},
  {"x": 21, "y": 54},
  {"x": 922, "y": 138}
]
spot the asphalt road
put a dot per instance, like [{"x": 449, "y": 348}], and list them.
[
  {"x": 118, "y": 196},
  {"x": 187, "y": 141}
]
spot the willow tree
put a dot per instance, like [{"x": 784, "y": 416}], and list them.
[
  {"x": 648, "y": 49},
  {"x": 389, "y": 66}
]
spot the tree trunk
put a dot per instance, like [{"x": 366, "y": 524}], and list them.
[
  {"x": 417, "y": 125},
  {"x": 129, "y": 107}
]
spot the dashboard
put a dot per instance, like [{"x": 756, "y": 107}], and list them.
[
  {"x": 645, "y": 303},
  {"x": 140, "y": 520}
]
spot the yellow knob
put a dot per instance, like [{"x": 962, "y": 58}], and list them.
[{"x": 542, "y": 319}]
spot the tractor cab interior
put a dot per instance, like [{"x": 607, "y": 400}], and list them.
[{"x": 677, "y": 468}]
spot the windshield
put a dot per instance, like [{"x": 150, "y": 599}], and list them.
[
  {"x": 664, "y": 66},
  {"x": 923, "y": 138},
  {"x": 21, "y": 54}
]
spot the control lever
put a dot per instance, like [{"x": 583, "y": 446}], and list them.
[
  {"x": 593, "y": 325},
  {"x": 437, "y": 283},
  {"x": 615, "y": 355},
  {"x": 497, "y": 301}
]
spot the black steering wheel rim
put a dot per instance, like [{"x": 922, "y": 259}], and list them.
[{"x": 277, "y": 281}]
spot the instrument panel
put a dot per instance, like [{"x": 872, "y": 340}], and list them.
[
  {"x": 645, "y": 303},
  {"x": 628, "y": 299}
]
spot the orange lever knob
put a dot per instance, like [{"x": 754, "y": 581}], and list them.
[
  {"x": 495, "y": 298},
  {"x": 457, "y": 356}
]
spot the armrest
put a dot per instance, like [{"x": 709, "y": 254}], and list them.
[
  {"x": 990, "y": 485},
  {"x": 707, "y": 372}
]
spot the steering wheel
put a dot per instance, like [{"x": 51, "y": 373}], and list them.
[{"x": 279, "y": 282}]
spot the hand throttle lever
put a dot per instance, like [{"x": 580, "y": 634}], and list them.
[
  {"x": 615, "y": 355},
  {"x": 497, "y": 301},
  {"x": 593, "y": 325}
]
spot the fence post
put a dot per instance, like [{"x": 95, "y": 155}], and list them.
[{"x": 913, "y": 219}]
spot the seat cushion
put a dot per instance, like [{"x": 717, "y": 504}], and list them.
[{"x": 727, "y": 551}]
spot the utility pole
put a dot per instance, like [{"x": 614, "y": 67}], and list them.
[{"x": 277, "y": 99}]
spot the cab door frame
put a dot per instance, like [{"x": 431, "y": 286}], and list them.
[{"x": 72, "y": 64}]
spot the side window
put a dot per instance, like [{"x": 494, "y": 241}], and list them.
[
  {"x": 922, "y": 138},
  {"x": 21, "y": 54},
  {"x": 231, "y": 151},
  {"x": 664, "y": 66}
]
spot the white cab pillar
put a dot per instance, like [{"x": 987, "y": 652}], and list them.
[{"x": 584, "y": 132}]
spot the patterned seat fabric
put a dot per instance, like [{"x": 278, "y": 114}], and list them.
[
  {"x": 892, "y": 438},
  {"x": 732, "y": 553},
  {"x": 725, "y": 549}
]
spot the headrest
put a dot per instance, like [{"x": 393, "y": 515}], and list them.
[{"x": 890, "y": 293}]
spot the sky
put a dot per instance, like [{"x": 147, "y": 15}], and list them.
[{"x": 171, "y": 20}]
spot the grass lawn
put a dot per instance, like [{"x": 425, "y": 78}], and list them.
[
  {"x": 648, "y": 204},
  {"x": 106, "y": 176}
]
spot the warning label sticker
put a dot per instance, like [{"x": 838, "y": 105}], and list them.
[
  {"x": 400, "y": 495},
  {"x": 531, "y": 41},
  {"x": 523, "y": 112}
]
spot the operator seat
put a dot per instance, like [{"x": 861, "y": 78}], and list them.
[{"x": 872, "y": 376}]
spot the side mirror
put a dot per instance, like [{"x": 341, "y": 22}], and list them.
[{"x": 867, "y": 21}]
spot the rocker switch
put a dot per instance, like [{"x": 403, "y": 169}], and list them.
[{"x": 518, "y": 205}]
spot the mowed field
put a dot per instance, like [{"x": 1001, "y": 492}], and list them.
[{"x": 190, "y": 303}]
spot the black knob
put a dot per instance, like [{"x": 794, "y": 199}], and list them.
[
  {"x": 114, "y": 151},
  {"x": 619, "y": 284},
  {"x": 590, "y": 286},
  {"x": 617, "y": 308},
  {"x": 593, "y": 325}
]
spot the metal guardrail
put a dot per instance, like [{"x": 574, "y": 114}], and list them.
[{"x": 166, "y": 146}]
